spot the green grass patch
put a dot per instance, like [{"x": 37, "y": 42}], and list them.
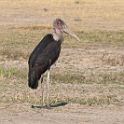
[
  {"x": 74, "y": 78},
  {"x": 19, "y": 42},
  {"x": 23, "y": 98},
  {"x": 86, "y": 101},
  {"x": 93, "y": 101},
  {"x": 102, "y": 36},
  {"x": 67, "y": 78},
  {"x": 13, "y": 73}
]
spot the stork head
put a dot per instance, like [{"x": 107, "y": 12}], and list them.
[{"x": 60, "y": 27}]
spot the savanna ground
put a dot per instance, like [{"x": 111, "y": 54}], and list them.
[{"x": 87, "y": 80}]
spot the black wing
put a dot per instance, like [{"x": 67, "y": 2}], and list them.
[
  {"x": 47, "y": 57},
  {"x": 39, "y": 49},
  {"x": 43, "y": 56}
]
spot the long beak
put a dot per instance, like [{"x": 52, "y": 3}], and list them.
[{"x": 68, "y": 31}]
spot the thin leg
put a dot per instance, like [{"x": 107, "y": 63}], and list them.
[
  {"x": 42, "y": 91},
  {"x": 48, "y": 92}
]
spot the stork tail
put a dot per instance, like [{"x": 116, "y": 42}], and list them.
[{"x": 32, "y": 79}]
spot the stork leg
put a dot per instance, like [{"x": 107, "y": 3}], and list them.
[
  {"x": 42, "y": 92},
  {"x": 48, "y": 92}
]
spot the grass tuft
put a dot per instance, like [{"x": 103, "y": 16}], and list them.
[
  {"x": 93, "y": 101},
  {"x": 103, "y": 36},
  {"x": 12, "y": 73}
]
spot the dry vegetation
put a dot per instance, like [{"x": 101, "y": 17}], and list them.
[{"x": 88, "y": 73}]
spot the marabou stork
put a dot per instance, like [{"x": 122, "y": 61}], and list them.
[{"x": 45, "y": 55}]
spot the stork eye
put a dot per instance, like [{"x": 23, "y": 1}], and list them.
[{"x": 58, "y": 23}]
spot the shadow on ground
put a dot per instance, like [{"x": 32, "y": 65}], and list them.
[{"x": 51, "y": 106}]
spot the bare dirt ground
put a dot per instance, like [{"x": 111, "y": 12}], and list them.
[
  {"x": 88, "y": 116},
  {"x": 94, "y": 59}
]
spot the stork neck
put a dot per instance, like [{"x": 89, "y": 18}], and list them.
[{"x": 58, "y": 35}]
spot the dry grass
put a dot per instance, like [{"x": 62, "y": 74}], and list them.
[
  {"x": 65, "y": 88},
  {"x": 98, "y": 23},
  {"x": 89, "y": 14},
  {"x": 18, "y": 42}
]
